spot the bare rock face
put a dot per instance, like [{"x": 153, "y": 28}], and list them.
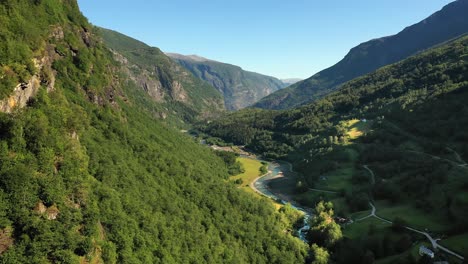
[
  {"x": 141, "y": 77},
  {"x": 178, "y": 92},
  {"x": 45, "y": 76},
  {"x": 40, "y": 208},
  {"x": 150, "y": 85},
  {"x": 6, "y": 240},
  {"x": 51, "y": 213},
  {"x": 21, "y": 95}
]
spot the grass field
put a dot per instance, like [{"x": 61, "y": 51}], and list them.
[
  {"x": 414, "y": 217},
  {"x": 252, "y": 171},
  {"x": 336, "y": 180},
  {"x": 357, "y": 229},
  {"x": 458, "y": 243},
  {"x": 357, "y": 128},
  {"x": 361, "y": 214}
]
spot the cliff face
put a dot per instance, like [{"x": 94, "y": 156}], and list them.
[
  {"x": 239, "y": 88},
  {"x": 23, "y": 92},
  {"x": 161, "y": 78}
]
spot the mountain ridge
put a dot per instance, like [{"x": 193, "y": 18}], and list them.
[
  {"x": 164, "y": 80},
  {"x": 443, "y": 25},
  {"x": 240, "y": 88}
]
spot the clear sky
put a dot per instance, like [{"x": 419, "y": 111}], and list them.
[{"x": 281, "y": 38}]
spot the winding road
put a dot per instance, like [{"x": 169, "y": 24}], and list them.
[{"x": 433, "y": 241}]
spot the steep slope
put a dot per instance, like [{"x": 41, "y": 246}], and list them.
[
  {"x": 164, "y": 80},
  {"x": 90, "y": 174},
  {"x": 240, "y": 88},
  {"x": 399, "y": 86},
  {"x": 448, "y": 23}
]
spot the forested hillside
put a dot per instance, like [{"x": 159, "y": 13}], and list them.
[
  {"x": 90, "y": 174},
  {"x": 395, "y": 138},
  {"x": 172, "y": 86},
  {"x": 441, "y": 26},
  {"x": 240, "y": 88},
  {"x": 392, "y": 89}
]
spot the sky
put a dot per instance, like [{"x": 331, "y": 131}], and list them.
[{"x": 281, "y": 38}]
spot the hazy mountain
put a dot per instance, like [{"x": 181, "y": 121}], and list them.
[
  {"x": 448, "y": 23},
  {"x": 240, "y": 88},
  {"x": 291, "y": 81}
]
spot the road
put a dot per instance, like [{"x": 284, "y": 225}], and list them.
[
  {"x": 433, "y": 241},
  {"x": 371, "y": 173},
  {"x": 458, "y": 157}
]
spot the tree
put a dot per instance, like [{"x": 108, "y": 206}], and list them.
[
  {"x": 324, "y": 230},
  {"x": 320, "y": 255}
]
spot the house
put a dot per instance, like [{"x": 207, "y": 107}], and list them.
[{"x": 426, "y": 251}]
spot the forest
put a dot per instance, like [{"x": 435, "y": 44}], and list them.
[
  {"x": 412, "y": 142},
  {"x": 89, "y": 173}
]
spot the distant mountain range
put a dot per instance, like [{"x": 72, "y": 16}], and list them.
[
  {"x": 444, "y": 25},
  {"x": 240, "y": 88},
  {"x": 162, "y": 79},
  {"x": 291, "y": 81}
]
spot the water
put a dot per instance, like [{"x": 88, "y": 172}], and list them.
[{"x": 262, "y": 185}]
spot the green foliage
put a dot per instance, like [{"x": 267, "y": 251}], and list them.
[
  {"x": 263, "y": 169},
  {"x": 324, "y": 230},
  {"x": 234, "y": 167},
  {"x": 320, "y": 255},
  {"x": 122, "y": 186}
]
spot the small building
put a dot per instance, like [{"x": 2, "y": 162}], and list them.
[{"x": 426, "y": 251}]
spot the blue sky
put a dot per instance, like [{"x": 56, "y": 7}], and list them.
[{"x": 282, "y": 38}]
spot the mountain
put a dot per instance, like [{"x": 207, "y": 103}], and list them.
[
  {"x": 91, "y": 173},
  {"x": 395, "y": 139},
  {"x": 291, "y": 81},
  {"x": 240, "y": 88},
  {"x": 164, "y": 80},
  {"x": 446, "y": 24}
]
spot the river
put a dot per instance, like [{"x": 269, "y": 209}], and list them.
[
  {"x": 261, "y": 185},
  {"x": 281, "y": 169}
]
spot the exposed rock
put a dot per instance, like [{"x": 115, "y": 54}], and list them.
[
  {"x": 57, "y": 33},
  {"x": 40, "y": 208},
  {"x": 52, "y": 212},
  {"x": 6, "y": 241},
  {"x": 178, "y": 92},
  {"x": 86, "y": 37},
  {"x": 142, "y": 78},
  {"x": 23, "y": 92},
  {"x": 21, "y": 95}
]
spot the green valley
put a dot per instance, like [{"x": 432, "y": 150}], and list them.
[
  {"x": 113, "y": 151},
  {"x": 395, "y": 138}
]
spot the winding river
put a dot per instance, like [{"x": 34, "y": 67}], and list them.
[{"x": 261, "y": 185}]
